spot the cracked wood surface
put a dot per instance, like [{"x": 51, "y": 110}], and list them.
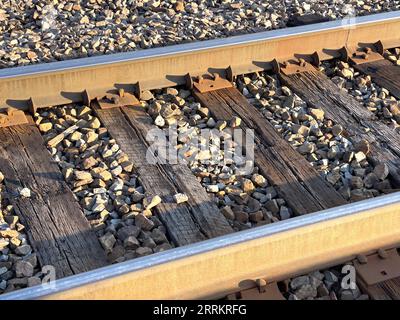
[
  {"x": 56, "y": 226},
  {"x": 294, "y": 178},
  {"x": 358, "y": 122},
  {"x": 190, "y": 222},
  {"x": 384, "y": 73}
]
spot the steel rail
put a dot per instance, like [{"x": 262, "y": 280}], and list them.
[
  {"x": 216, "y": 267},
  {"x": 63, "y": 82}
]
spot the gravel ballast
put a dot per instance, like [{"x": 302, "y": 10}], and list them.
[
  {"x": 35, "y": 31},
  {"x": 104, "y": 181},
  {"x": 245, "y": 198},
  {"x": 19, "y": 266},
  {"x": 373, "y": 97},
  {"x": 317, "y": 138},
  {"x": 330, "y": 284}
]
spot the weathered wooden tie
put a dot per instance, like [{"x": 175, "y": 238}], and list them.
[
  {"x": 190, "y": 222},
  {"x": 56, "y": 226},
  {"x": 294, "y": 178},
  {"x": 206, "y": 213},
  {"x": 387, "y": 290},
  {"x": 359, "y": 123},
  {"x": 384, "y": 73}
]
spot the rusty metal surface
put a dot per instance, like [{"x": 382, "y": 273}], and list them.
[
  {"x": 300, "y": 66},
  {"x": 12, "y": 117},
  {"x": 117, "y": 99},
  {"x": 364, "y": 55},
  {"x": 204, "y": 84},
  {"x": 215, "y": 267},
  {"x": 63, "y": 82}
]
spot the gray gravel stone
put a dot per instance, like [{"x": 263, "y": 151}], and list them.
[
  {"x": 299, "y": 282},
  {"x": 23, "y": 250},
  {"x": 381, "y": 171},
  {"x": 143, "y": 222},
  {"x": 108, "y": 241},
  {"x": 306, "y": 291},
  {"x": 131, "y": 243},
  {"x": 23, "y": 269}
]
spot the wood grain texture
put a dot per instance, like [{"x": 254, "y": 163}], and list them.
[
  {"x": 182, "y": 220},
  {"x": 205, "y": 212},
  {"x": 295, "y": 179},
  {"x": 54, "y": 221},
  {"x": 320, "y": 92},
  {"x": 386, "y": 290},
  {"x": 383, "y": 73}
]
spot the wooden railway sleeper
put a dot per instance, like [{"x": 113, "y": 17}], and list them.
[{"x": 261, "y": 291}]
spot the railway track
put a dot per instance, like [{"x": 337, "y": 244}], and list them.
[{"x": 318, "y": 187}]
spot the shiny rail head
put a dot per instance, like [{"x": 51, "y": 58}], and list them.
[
  {"x": 245, "y": 39},
  {"x": 223, "y": 242}
]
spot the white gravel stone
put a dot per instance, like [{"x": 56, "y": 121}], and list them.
[
  {"x": 25, "y": 192},
  {"x": 180, "y": 198},
  {"x": 159, "y": 121}
]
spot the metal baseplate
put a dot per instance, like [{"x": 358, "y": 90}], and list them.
[
  {"x": 364, "y": 54},
  {"x": 118, "y": 98},
  {"x": 261, "y": 291},
  {"x": 207, "y": 83},
  {"x": 378, "y": 267},
  {"x": 12, "y": 117},
  {"x": 296, "y": 65},
  {"x": 114, "y": 98}
]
